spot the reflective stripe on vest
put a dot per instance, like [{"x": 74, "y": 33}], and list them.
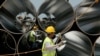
[{"x": 47, "y": 52}]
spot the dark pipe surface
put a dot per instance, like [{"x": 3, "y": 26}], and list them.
[
  {"x": 90, "y": 20},
  {"x": 62, "y": 12},
  {"x": 16, "y": 6},
  {"x": 10, "y": 9},
  {"x": 8, "y": 23},
  {"x": 7, "y": 42}
]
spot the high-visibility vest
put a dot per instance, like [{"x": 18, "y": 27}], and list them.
[
  {"x": 32, "y": 36},
  {"x": 47, "y": 52}
]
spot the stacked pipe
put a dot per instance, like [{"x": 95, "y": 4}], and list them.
[
  {"x": 62, "y": 12},
  {"x": 16, "y": 41},
  {"x": 90, "y": 20}
]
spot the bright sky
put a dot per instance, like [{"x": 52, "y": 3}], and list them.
[{"x": 37, "y": 4}]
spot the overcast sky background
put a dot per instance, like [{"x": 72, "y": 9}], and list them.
[{"x": 37, "y": 4}]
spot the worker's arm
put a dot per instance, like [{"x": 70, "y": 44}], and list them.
[{"x": 50, "y": 47}]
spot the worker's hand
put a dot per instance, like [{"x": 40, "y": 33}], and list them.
[
  {"x": 37, "y": 35},
  {"x": 40, "y": 41},
  {"x": 62, "y": 43}
]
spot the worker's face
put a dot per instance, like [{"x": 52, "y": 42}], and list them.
[{"x": 52, "y": 35}]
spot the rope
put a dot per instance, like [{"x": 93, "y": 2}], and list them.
[
  {"x": 60, "y": 37},
  {"x": 86, "y": 10},
  {"x": 29, "y": 51},
  {"x": 22, "y": 52},
  {"x": 7, "y": 44},
  {"x": 67, "y": 27}
]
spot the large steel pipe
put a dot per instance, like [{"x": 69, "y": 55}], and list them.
[
  {"x": 77, "y": 44},
  {"x": 88, "y": 17},
  {"x": 9, "y": 24},
  {"x": 14, "y": 7},
  {"x": 10, "y": 9},
  {"x": 29, "y": 7},
  {"x": 97, "y": 47},
  {"x": 7, "y": 43},
  {"x": 58, "y": 12}
]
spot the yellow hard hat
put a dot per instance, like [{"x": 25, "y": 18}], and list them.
[{"x": 50, "y": 29}]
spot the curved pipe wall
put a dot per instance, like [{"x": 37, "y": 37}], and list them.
[
  {"x": 10, "y": 9},
  {"x": 97, "y": 47},
  {"x": 7, "y": 43},
  {"x": 90, "y": 20},
  {"x": 62, "y": 12},
  {"x": 77, "y": 44}
]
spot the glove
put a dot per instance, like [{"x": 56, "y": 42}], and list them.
[
  {"x": 40, "y": 41},
  {"x": 64, "y": 41},
  {"x": 61, "y": 47}
]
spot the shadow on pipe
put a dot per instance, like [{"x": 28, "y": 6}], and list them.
[{"x": 7, "y": 43}]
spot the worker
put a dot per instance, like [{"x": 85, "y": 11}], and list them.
[
  {"x": 32, "y": 36},
  {"x": 48, "y": 47}
]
